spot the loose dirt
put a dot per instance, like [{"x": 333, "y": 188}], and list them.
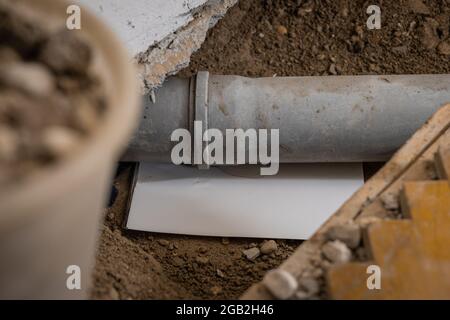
[{"x": 267, "y": 38}]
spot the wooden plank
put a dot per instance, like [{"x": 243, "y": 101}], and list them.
[
  {"x": 412, "y": 254},
  {"x": 443, "y": 160},
  {"x": 404, "y": 165}
]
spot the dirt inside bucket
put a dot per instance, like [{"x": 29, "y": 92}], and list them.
[
  {"x": 50, "y": 98},
  {"x": 266, "y": 38}
]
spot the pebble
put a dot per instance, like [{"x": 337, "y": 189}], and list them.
[
  {"x": 310, "y": 286},
  {"x": 9, "y": 142},
  {"x": 268, "y": 247},
  {"x": 30, "y": 78},
  {"x": 163, "y": 242},
  {"x": 444, "y": 48},
  {"x": 417, "y": 6},
  {"x": 66, "y": 52},
  {"x": 282, "y": 30},
  {"x": 280, "y": 283},
  {"x": 225, "y": 241},
  {"x": 332, "y": 69},
  {"x": 59, "y": 141},
  {"x": 220, "y": 273},
  {"x": 349, "y": 233},
  {"x": 202, "y": 260},
  {"x": 390, "y": 201},
  {"x": 252, "y": 253},
  {"x": 337, "y": 252}
]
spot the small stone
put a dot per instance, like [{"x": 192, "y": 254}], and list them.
[
  {"x": 252, "y": 253},
  {"x": 261, "y": 35},
  {"x": 310, "y": 286},
  {"x": 361, "y": 254},
  {"x": 220, "y": 273},
  {"x": 417, "y": 6},
  {"x": 178, "y": 262},
  {"x": 202, "y": 249},
  {"x": 301, "y": 295},
  {"x": 163, "y": 242},
  {"x": 349, "y": 233},
  {"x": 225, "y": 241},
  {"x": 337, "y": 252},
  {"x": 390, "y": 202},
  {"x": 400, "y": 50},
  {"x": 282, "y": 30},
  {"x": 30, "y": 78},
  {"x": 59, "y": 141},
  {"x": 280, "y": 283},
  {"x": 430, "y": 37},
  {"x": 66, "y": 52},
  {"x": 268, "y": 247},
  {"x": 444, "y": 48},
  {"x": 202, "y": 260}
]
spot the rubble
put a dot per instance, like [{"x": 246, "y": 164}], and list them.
[
  {"x": 349, "y": 233},
  {"x": 337, "y": 252},
  {"x": 268, "y": 247},
  {"x": 444, "y": 47},
  {"x": 30, "y": 78},
  {"x": 252, "y": 253},
  {"x": 59, "y": 141},
  {"x": 390, "y": 202},
  {"x": 280, "y": 283}
]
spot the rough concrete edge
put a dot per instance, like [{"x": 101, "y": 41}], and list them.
[{"x": 173, "y": 53}]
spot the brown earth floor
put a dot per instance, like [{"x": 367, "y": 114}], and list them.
[{"x": 266, "y": 38}]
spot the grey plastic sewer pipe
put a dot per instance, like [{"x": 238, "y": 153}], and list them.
[{"x": 320, "y": 119}]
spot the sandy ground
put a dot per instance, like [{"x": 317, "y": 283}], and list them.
[{"x": 266, "y": 38}]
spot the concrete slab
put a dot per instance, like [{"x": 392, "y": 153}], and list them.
[{"x": 160, "y": 34}]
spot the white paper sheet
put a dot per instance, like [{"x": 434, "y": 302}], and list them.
[{"x": 237, "y": 202}]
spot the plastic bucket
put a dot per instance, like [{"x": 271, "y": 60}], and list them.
[{"x": 52, "y": 220}]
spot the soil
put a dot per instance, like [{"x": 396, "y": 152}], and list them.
[
  {"x": 266, "y": 38},
  {"x": 50, "y": 99},
  {"x": 327, "y": 37},
  {"x": 139, "y": 265}
]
